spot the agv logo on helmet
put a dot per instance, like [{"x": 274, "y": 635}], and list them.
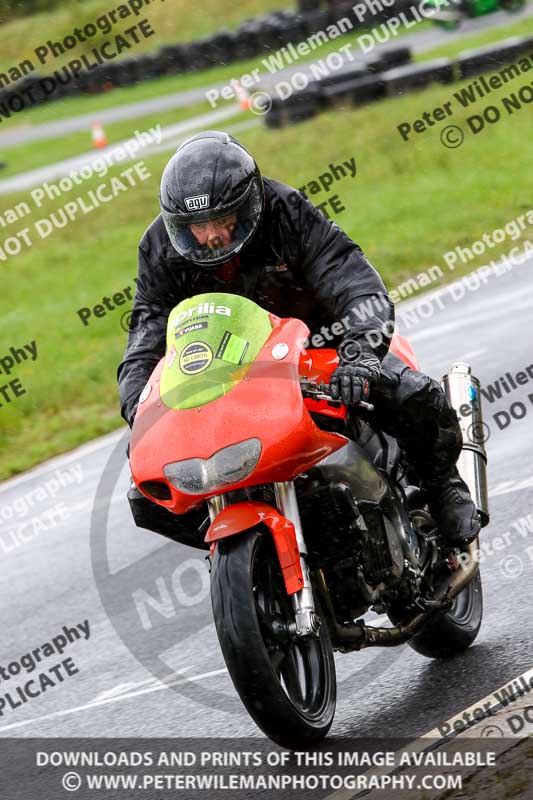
[{"x": 197, "y": 203}]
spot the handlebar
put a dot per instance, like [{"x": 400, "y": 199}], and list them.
[{"x": 320, "y": 391}]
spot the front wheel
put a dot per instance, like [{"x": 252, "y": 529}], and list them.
[
  {"x": 446, "y": 634},
  {"x": 287, "y": 683}
]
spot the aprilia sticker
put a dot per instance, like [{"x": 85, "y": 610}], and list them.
[{"x": 201, "y": 311}]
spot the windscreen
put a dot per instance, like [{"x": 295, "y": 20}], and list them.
[{"x": 211, "y": 341}]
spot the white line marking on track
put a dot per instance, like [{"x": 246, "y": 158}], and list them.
[
  {"x": 113, "y": 699},
  {"x": 471, "y": 354},
  {"x": 511, "y": 486}
]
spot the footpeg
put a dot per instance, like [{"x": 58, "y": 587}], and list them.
[{"x": 428, "y": 605}]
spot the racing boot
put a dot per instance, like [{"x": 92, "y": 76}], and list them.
[{"x": 453, "y": 509}]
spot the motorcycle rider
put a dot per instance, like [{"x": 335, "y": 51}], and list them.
[{"x": 223, "y": 227}]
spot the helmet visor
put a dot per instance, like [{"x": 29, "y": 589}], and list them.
[{"x": 217, "y": 236}]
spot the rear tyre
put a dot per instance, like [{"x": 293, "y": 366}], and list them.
[
  {"x": 287, "y": 684},
  {"x": 447, "y": 634}
]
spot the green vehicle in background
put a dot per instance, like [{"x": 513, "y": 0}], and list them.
[{"x": 451, "y": 13}]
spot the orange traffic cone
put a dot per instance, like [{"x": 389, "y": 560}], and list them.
[
  {"x": 99, "y": 137},
  {"x": 243, "y": 97}
]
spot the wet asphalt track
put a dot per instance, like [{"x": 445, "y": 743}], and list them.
[{"x": 48, "y": 580}]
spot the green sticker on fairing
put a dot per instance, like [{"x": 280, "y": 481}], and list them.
[
  {"x": 232, "y": 348},
  {"x": 211, "y": 341}
]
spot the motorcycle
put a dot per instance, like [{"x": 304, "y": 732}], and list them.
[
  {"x": 451, "y": 13},
  {"x": 315, "y": 517}
]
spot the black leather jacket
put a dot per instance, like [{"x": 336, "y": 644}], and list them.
[{"x": 299, "y": 264}]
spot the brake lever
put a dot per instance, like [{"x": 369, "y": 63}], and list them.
[{"x": 320, "y": 391}]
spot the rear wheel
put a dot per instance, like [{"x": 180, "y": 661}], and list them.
[
  {"x": 287, "y": 683},
  {"x": 446, "y": 634}
]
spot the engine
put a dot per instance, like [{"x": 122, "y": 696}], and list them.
[{"x": 354, "y": 545}]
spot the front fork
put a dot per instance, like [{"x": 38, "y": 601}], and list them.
[{"x": 307, "y": 621}]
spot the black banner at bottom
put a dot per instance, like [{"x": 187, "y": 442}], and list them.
[{"x": 238, "y": 769}]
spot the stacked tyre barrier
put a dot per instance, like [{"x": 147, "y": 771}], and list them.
[
  {"x": 254, "y": 37},
  {"x": 406, "y": 79},
  {"x": 258, "y": 37},
  {"x": 358, "y": 83},
  {"x": 391, "y": 74},
  {"x": 490, "y": 57}
]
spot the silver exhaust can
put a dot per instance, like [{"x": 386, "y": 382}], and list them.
[{"x": 463, "y": 392}]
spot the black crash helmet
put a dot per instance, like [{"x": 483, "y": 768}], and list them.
[{"x": 211, "y": 177}]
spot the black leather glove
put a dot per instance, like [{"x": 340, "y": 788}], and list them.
[{"x": 358, "y": 369}]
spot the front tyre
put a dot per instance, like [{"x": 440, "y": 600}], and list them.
[
  {"x": 446, "y": 634},
  {"x": 287, "y": 683}
]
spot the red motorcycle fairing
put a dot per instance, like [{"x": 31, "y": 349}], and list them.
[
  {"x": 243, "y": 516},
  {"x": 267, "y": 404}
]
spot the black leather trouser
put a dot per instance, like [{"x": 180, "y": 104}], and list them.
[{"x": 413, "y": 408}]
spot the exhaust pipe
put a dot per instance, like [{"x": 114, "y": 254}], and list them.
[{"x": 463, "y": 392}]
